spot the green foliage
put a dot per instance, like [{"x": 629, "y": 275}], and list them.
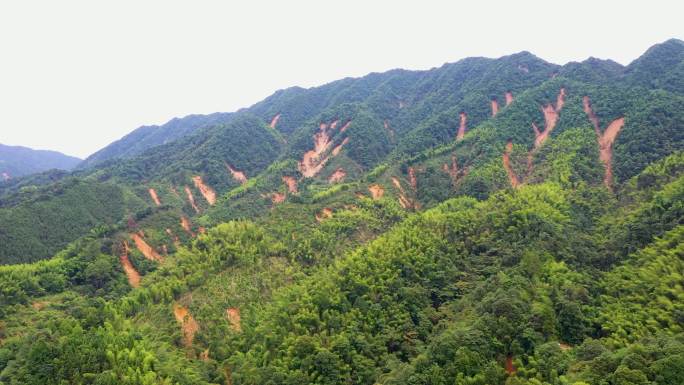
[
  {"x": 558, "y": 281},
  {"x": 42, "y": 225}
]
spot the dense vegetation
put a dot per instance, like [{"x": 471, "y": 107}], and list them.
[{"x": 405, "y": 257}]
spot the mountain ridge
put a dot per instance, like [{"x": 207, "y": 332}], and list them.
[
  {"x": 491, "y": 221},
  {"x": 16, "y": 161}
]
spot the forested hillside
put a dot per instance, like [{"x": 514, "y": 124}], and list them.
[{"x": 490, "y": 221}]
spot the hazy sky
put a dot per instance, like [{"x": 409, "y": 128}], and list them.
[{"x": 76, "y": 75}]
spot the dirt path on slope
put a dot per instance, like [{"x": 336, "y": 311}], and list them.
[
  {"x": 207, "y": 192},
  {"x": 233, "y": 315},
  {"x": 512, "y": 177},
  {"x": 274, "y": 121},
  {"x": 324, "y": 214},
  {"x": 403, "y": 200},
  {"x": 509, "y": 98},
  {"x": 551, "y": 114},
  {"x": 131, "y": 273},
  {"x": 239, "y": 176},
  {"x": 451, "y": 170},
  {"x": 335, "y": 151},
  {"x": 191, "y": 199},
  {"x": 376, "y": 190},
  {"x": 145, "y": 249},
  {"x": 291, "y": 184},
  {"x": 154, "y": 196},
  {"x": 314, "y": 160},
  {"x": 510, "y": 368},
  {"x": 277, "y": 197},
  {"x": 337, "y": 176},
  {"x": 188, "y": 324},
  {"x": 463, "y": 121},
  {"x": 605, "y": 140},
  {"x": 345, "y": 126},
  {"x": 495, "y": 107},
  {"x": 185, "y": 224},
  {"x": 413, "y": 181}
]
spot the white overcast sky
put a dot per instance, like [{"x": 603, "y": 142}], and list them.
[{"x": 76, "y": 75}]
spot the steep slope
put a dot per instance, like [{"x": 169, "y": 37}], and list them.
[
  {"x": 366, "y": 232},
  {"x": 660, "y": 67},
  {"x": 146, "y": 137},
  {"x": 16, "y": 161},
  {"x": 195, "y": 165}
]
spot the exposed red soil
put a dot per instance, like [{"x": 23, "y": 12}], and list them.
[
  {"x": 338, "y": 148},
  {"x": 312, "y": 162},
  {"x": 277, "y": 197},
  {"x": 605, "y": 140},
  {"x": 495, "y": 107},
  {"x": 188, "y": 324},
  {"x": 560, "y": 99},
  {"x": 185, "y": 224},
  {"x": 174, "y": 191},
  {"x": 403, "y": 200},
  {"x": 586, "y": 103},
  {"x": 324, "y": 214},
  {"x": 202, "y": 230},
  {"x": 509, "y": 98},
  {"x": 334, "y": 124},
  {"x": 274, "y": 121},
  {"x": 233, "y": 315},
  {"x": 132, "y": 274},
  {"x": 291, "y": 183},
  {"x": 204, "y": 356},
  {"x": 507, "y": 165},
  {"x": 412, "y": 178},
  {"x": 144, "y": 248},
  {"x": 376, "y": 190},
  {"x": 207, "y": 192},
  {"x": 551, "y": 114},
  {"x": 564, "y": 347},
  {"x": 463, "y": 121},
  {"x": 337, "y": 176},
  {"x": 191, "y": 199},
  {"x": 606, "y": 148},
  {"x": 39, "y": 305},
  {"x": 451, "y": 170},
  {"x": 346, "y": 126},
  {"x": 153, "y": 195},
  {"x": 510, "y": 368},
  {"x": 237, "y": 175}
]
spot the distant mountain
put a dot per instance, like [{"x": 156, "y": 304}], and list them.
[
  {"x": 17, "y": 161},
  {"x": 146, "y": 137}
]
